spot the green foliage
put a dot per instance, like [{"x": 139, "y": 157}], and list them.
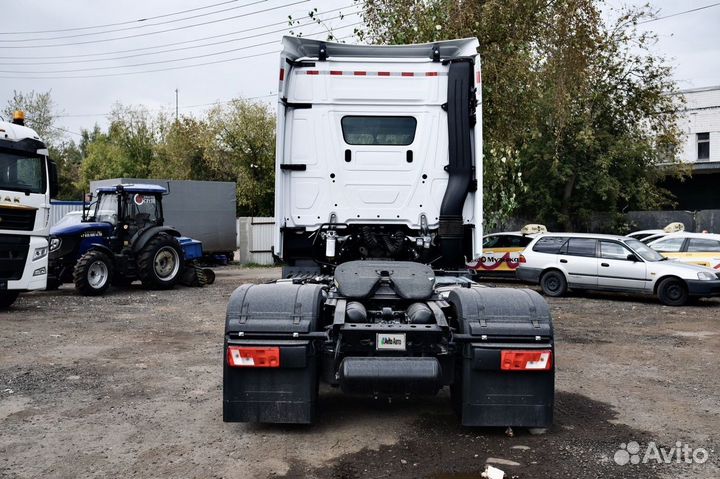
[
  {"x": 235, "y": 142},
  {"x": 577, "y": 115}
]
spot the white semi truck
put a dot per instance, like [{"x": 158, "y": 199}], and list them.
[
  {"x": 28, "y": 179},
  {"x": 378, "y": 210}
]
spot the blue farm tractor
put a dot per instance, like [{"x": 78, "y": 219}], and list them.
[{"x": 122, "y": 238}]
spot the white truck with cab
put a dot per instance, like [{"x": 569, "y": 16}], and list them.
[
  {"x": 378, "y": 210},
  {"x": 28, "y": 179}
]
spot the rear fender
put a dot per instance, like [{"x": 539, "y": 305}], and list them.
[{"x": 140, "y": 239}]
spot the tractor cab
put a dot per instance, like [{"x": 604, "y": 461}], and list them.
[{"x": 128, "y": 209}]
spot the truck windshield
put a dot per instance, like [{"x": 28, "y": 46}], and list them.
[
  {"x": 22, "y": 173},
  {"x": 106, "y": 209}
]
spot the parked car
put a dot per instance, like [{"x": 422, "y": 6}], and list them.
[
  {"x": 648, "y": 235},
  {"x": 696, "y": 248},
  {"x": 501, "y": 251},
  {"x": 561, "y": 261}
]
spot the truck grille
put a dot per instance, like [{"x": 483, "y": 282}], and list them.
[
  {"x": 17, "y": 219},
  {"x": 13, "y": 253}
]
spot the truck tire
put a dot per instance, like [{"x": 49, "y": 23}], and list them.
[
  {"x": 160, "y": 262},
  {"x": 553, "y": 284},
  {"x": 92, "y": 273},
  {"x": 7, "y": 298},
  {"x": 672, "y": 292}
]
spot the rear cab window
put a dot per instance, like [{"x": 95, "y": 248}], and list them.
[{"x": 379, "y": 130}]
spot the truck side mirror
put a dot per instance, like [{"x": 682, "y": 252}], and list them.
[{"x": 53, "y": 174}]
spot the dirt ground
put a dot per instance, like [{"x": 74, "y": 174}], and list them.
[{"x": 129, "y": 385}]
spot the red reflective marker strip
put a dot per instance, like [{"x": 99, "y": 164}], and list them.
[
  {"x": 359, "y": 74},
  {"x": 383, "y": 74},
  {"x": 240, "y": 356},
  {"x": 313, "y": 72},
  {"x": 431, "y": 74},
  {"x": 336, "y": 72},
  {"x": 526, "y": 360},
  {"x": 408, "y": 74},
  {"x": 282, "y": 74},
  {"x": 477, "y": 77}
]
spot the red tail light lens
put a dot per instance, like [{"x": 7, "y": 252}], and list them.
[
  {"x": 244, "y": 357},
  {"x": 535, "y": 360},
  {"x": 522, "y": 259}
]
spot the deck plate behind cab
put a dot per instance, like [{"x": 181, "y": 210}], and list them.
[{"x": 360, "y": 279}]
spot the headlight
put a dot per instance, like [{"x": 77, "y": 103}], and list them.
[
  {"x": 40, "y": 253},
  {"x": 705, "y": 276},
  {"x": 55, "y": 244}
]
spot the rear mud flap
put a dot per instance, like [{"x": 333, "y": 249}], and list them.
[
  {"x": 285, "y": 395},
  {"x": 491, "y": 397}
]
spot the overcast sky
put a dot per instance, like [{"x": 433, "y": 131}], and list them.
[{"x": 44, "y": 45}]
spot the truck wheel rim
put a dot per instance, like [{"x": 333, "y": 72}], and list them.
[
  {"x": 167, "y": 263},
  {"x": 97, "y": 274}
]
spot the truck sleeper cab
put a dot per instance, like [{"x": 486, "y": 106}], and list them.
[{"x": 378, "y": 207}]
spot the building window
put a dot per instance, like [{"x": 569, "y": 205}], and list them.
[{"x": 703, "y": 142}]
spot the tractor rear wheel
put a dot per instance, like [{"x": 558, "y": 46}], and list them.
[
  {"x": 92, "y": 273},
  {"x": 160, "y": 262}
]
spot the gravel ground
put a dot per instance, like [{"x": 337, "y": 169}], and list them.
[{"x": 129, "y": 385}]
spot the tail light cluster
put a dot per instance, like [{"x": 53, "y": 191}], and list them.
[
  {"x": 244, "y": 357},
  {"x": 535, "y": 360}
]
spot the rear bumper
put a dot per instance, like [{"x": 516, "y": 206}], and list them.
[
  {"x": 528, "y": 275},
  {"x": 703, "y": 288}
]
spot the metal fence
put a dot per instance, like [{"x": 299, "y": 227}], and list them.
[
  {"x": 58, "y": 209},
  {"x": 255, "y": 239}
]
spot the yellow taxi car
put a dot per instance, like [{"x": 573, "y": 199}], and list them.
[
  {"x": 696, "y": 248},
  {"x": 501, "y": 251}
]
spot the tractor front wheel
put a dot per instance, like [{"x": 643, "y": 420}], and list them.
[
  {"x": 92, "y": 273},
  {"x": 160, "y": 262}
]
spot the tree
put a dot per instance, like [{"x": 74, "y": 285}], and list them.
[
  {"x": 40, "y": 113},
  {"x": 577, "y": 115}
]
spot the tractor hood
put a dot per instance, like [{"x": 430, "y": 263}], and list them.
[{"x": 79, "y": 228}]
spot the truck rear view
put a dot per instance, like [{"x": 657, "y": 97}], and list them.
[{"x": 379, "y": 206}]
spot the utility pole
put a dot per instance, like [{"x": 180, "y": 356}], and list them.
[{"x": 177, "y": 115}]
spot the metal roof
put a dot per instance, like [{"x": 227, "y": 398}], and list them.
[{"x": 134, "y": 188}]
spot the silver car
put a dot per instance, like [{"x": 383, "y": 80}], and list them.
[{"x": 560, "y": 261}]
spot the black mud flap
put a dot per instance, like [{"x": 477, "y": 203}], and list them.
[
  {"x": 285, "y": 394},
  {"x": 493, "y": 320},
  {"x": 266, "y": 317}
]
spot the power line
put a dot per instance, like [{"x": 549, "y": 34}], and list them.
[
  {"x": 184, "y": 27},
  {"x": 165, "y": 69},
  {"x": 679, "y": 13},
  {"x": 121, "y": 23},
  {"x": 159, "y": 62},
  {"x": 133, "y": 27},
  {"x": 174, "y": 49},
  {"x": 212, "y": 37}
]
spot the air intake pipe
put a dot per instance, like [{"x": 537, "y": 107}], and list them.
[{"x": 460, "y": 103}]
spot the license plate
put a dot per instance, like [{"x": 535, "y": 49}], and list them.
[{"x": 394, "y": 342}]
